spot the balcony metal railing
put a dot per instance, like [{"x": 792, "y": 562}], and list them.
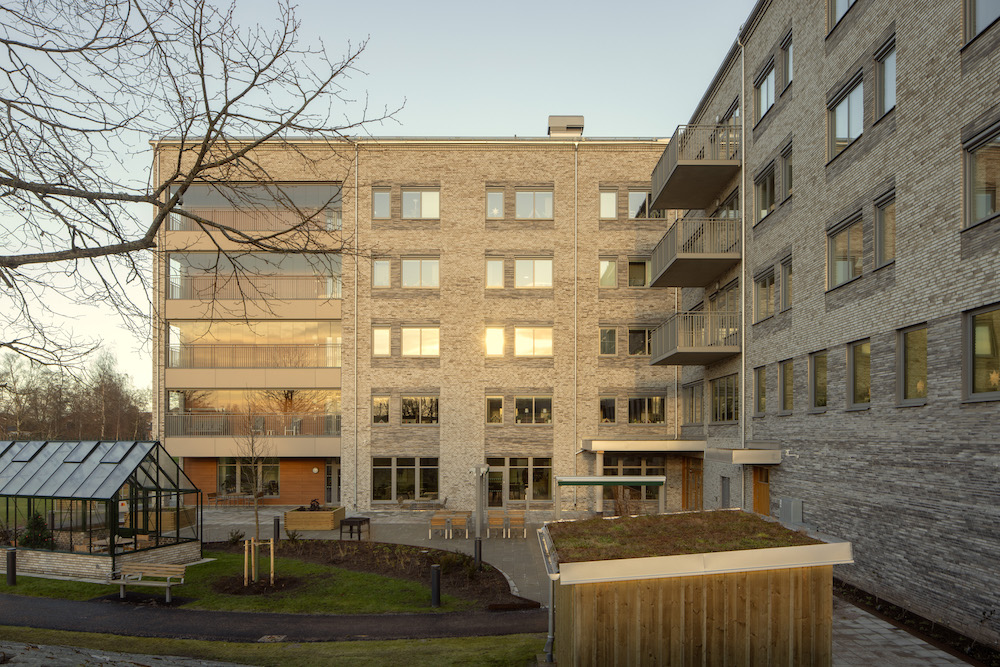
[
  {"x": 696, "y": 236},
  {"x": 697, "y": 329},
  {"x": 255, "y": 288},
  {"x": 259, "y": 221},
  {"x": 223, "y": 424},
  {"x": 695, "y": 143},
  {"x": 254, "y": 356}
]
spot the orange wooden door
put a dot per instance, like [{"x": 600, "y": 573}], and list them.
[
  {"x": 692, "y": 483},
  {"x": 762, "y": 490}
]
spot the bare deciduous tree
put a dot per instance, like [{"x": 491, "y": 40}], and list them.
[{"x": 88, "y": 85}]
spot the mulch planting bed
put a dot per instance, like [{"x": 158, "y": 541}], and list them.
[{"x": 488, "y": 588}]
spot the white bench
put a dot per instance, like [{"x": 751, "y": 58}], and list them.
[{"x": 148, "y": 574}]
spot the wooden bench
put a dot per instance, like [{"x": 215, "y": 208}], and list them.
[{"x": 159, "y": 575}]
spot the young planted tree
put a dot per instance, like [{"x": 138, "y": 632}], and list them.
[{"x": 254, "y": 450}]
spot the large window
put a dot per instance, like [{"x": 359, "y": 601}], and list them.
[
  {"x": 396, "y": 478},
  {"x": 640, "y": 341},
  {"x": 726, "y": 398},
  {"x": 494, "y": 410},
  {"x": 982, "y": 14},
  {"x": 609, "y": 204},
  {"x": 494, "y": 341},
  {"x": 692, "y": 398},
  {"x": 984, "y": 350},
  {"x": 519, "y": 480},
  {"x": 494, "y": 204},
  {"x": 381, "y": 204},
  {"x": 912, "y": 346},
  {"x": 421, "y": 204},
  {"x": 763, "y": 296},
  {"x": 860, "y": 373},
  {"x": 533, "y": 341},
  {"x": 786, "y": 384},
  {"x": 847, "y": 117},
  {"x": 533, "y": 410},
  {"x": 837, "y": 9},
  {"x": 646, "y": 410},
  {"x": 760, "y": 390},
  {"x": 764, "y": 91},
  {"x": 608, "y": 273},
  {"x": 249, "y": 476},
  {"x": 608, "y": 408},
  {"x": 639, "y": 203},
  {"x": 421, "y": 342},
  {"x": 253, "y": 344},
  {"x": 422, "y": 273},
  {"x": 817, "y": 379},
  {"x": 885, "y": 231},
  {"x": 253, "y": 276},
  {"x": 609, "y": 340},
  {"x": 983, "y": 173},
  {"x": 532, "y": 273},
  {"x": 886, "y": 67},
  {"x": 380, "y": 409},
  {"x": 617, "y": 465},
  {"x": 533, "y": 205},
  {"x": 264, "y": 412},
  {"x": 419, "y": 409},
  {"x": 845, "y": 254},
  {"x": 764, "y": 191}
]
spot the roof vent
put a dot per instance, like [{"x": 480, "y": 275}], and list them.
[{"x": 565, "y": 126}]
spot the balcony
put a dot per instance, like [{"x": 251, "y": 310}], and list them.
[
  {"x": 695, "y": 252},
  {"x": 696, "y": 339},
  {"x": 254, "y": 356},
  {"x": 327, "y": 220},
  {"x": 699, "y": 161},
  {"x": 223, "y": 424},
  {"x": 213, "y": 287}
]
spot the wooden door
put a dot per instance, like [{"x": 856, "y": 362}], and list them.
[
  {"x": 692, "y": 484},
  {"x": 762, "y": 490}
]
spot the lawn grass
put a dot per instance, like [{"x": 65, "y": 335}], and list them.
[
  {"x": 328, "y": 590},
  {"x": 506, "y": 650}
]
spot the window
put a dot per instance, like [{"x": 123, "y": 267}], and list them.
[
  {"x": 786, "y": 384},
  {"x": 786, "y": 284},
  {"x": 640, "y": 341},
  {"x": 404, "y": 478},
  {"x": 494, "y": 410},
  {"x": 533, "y": 341},
  {"x": 380, "y": 409},
  {"x": 729, "y": 209},
  {"x": 764, "y": 190},
  {"x": 533, "y": 410},
  {"x": 763, "y": 297},
  {"x": 982, "y": 14},
  {"x": 860, "y": 374},
  {"x": 638, "y": 205},
  {"x": 609, "y": 204},
  {"x": 494, "y": 204},
  {"x": 609, "y": 340},
  {"x": 837, "y": 10},
  {"x": 886, "y": 68},
  {"x": 760, "y": 390},
  {"x": 786, "y": 173},
  {"x": 983, "y": 174},
  {"x": 616, "y": 465},
  {"x": 419, "y": 409},
  {"x": 533, "y": 205},
  {"x": 692, "y": 399},
  {"x": 380, "y": 273},
  {"x": 381, "y": 204},
  {"x": 249, "y": 476},
  {"x": 787, "y": 55},
  {"x": 420, "y": 273},
  {"x": 645, "y": 410},
  {"x": 764, "y": 91},
  {"x": 638, "y": 273},
  {"x": 609, "y": 273},
  {"x": 984, "y": 365},
  {"x": 885, "y": 232},
  {"x": 494, "y": 273},
  {"x": 817, "y": 379},
  {"x": 847, "y": 119},
  {"x": 726, "y": 398},
  {"x": 421, "y": 204},
  {"x": 381, "y": 341},
  {"x": 533, "y": 273},
  {"x": 845, "y": 254},
  {"x": 607, "y": 410},
  {"x": 519, "y": 480},
  {"x": 494, "y": 341},
  {"x": 912, "y": 346},
  {"x": 421, "y": 342}
]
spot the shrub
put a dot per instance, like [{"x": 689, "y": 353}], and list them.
[
  {"x": 293, "y": 536},
  {"x": 314, "y": 505},
  {"x": 236, "y": 536}
]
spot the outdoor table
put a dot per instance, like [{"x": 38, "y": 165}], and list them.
[{"x": 355, "y": 522}]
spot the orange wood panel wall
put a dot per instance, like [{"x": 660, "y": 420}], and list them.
[{"x": 298, "y": 483}]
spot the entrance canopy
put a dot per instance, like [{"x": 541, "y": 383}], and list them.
[{"x": 610, "y": 480}]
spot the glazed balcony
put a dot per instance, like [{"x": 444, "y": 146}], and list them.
[
  {"x": 327, "y": 220},
  {"x": 698, "y": 163},
  {"x": 254, "y": 356},
  {"x": 213, "y": 287},
  {"x": 223, "y": 424},
  {"x": 695, "y": 252},
  {"x": 696, "y": 339}
]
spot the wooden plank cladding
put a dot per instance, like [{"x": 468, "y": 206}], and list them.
[{"x": 765, "y": 617}]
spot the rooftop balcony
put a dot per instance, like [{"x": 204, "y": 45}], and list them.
[
  {"x": 228, "y": 424},
  {"x": 698, "y": 162},
  {"x": 696, "y": 339},
  {"x": 695, "y": 251},
  {"x": 254, "y": 287},
  {"x": 325, "y": 355}
]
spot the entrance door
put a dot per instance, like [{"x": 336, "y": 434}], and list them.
[
  {"x": 762, "y": 490},
  {"x": 692, "y": 490},
  {"x": 494, "y": 497}
]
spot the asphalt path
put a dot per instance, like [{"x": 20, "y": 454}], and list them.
[{"x": 123, "y": 618}]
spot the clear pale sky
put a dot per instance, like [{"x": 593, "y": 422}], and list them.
[{"x": 632, "y": 69}]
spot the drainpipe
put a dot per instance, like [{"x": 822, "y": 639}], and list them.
[
  {"x": 743, "y": 262},
  {"x": 576, "y": 322},
  {"x": 356, "y": 398}
]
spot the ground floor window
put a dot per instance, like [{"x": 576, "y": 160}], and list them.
[
  {"x": 396, "y": 478},
  {"x": 634, "y": 464},
  {"x": 519, "y": 479},
  {"x": 242, "y": 476}
]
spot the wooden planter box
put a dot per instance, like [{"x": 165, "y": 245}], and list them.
[
  {"x": 319, "y": 520},
  {"x": 759, "y": 606}
]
